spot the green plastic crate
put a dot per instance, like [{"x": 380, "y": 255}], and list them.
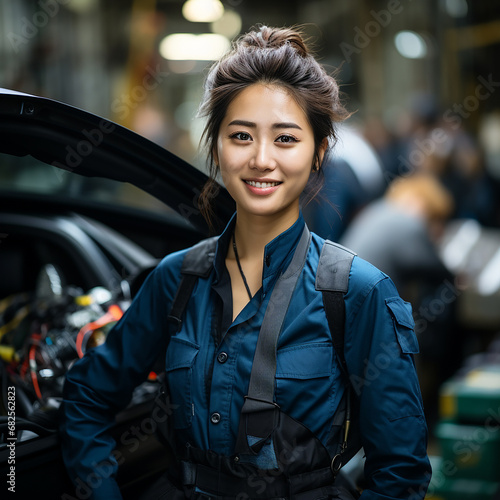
[
  {"x": 470, "y": 451},
  {"x": 473, "y": 398},
  {"x": 445, "y": 485},
  {"x": 462, "y": 489}
]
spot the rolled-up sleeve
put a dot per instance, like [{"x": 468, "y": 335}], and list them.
[
  {"x": 379, "y": 350},
  {"x": 101, "y": 383}
]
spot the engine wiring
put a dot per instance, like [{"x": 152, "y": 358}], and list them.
[
  {"x": 41, "y": 337},
  {"x": 14, "y": 322},
  {"x": 34, "y": 372},
  {"x": 114, "y": 314}
]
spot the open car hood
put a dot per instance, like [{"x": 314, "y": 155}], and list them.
[{"x": 75, "y": 140}]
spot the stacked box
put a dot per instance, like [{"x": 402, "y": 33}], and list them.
[
  {"x": 470, "y": 451},
  {"x": 469, "y": 437},
  {"x": 473, "y": 398}
]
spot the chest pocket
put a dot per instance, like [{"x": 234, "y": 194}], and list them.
[
  {"x": 304, "y": 377},
  {"x": 180, "y": 358}
]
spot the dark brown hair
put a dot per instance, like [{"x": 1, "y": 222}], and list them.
[{"x": 278, "y": 56}]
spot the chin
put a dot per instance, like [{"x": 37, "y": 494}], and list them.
[{"x": 266, "y": 211}]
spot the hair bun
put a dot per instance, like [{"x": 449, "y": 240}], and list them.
[{"x": 265, "y": 37}]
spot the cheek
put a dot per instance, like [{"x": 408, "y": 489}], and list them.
[
  {"x": 229, "y": 172},
  {"x": 231, "y": 160},
  {"x": 301, "y": 163},
  {"x": 225, "y": 176}
]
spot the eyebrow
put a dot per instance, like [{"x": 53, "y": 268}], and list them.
[{"x": 279, "y": 125}]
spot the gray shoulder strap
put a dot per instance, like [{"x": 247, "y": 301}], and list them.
[
  {"x": 334, "y": 267},
  {"x": 197, "y": 263},
  {"x": 261, "y": 386},
  {"x": 332, "y": 279},
  {"x": 259, "y": 415},
  {"x": 199, "y": 259}
]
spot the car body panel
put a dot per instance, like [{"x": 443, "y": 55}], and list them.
[{"x": 80, "y": 142}]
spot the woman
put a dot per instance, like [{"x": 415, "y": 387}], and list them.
[{"x": 270, "y": 110}]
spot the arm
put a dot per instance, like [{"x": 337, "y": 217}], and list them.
[
  {"x": 379, "y": 347},
  {"x": 101, "y": 383}
]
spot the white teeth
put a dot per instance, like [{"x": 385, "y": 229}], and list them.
[{"x": 262, "y": 184}]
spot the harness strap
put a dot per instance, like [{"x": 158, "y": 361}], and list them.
[
  {"x": 332, "y": 279},
  {"x": 259, "y": 406},
  {"x": 261, "y": 386},
  {"x": 305, "y": 486},
  {"x": 186, "y": 287},
  {"x": 196, "y": 264}
]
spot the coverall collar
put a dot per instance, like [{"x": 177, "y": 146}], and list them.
[{"x": 277, "y": 253}]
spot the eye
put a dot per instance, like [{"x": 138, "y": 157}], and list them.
[
  {"x": 241, "y": 136},
  {"x": 286, "y": 139}
]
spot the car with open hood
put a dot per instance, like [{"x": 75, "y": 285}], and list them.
[{"x": 87, "y": 209}]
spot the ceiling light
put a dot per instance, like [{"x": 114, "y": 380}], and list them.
[
  {"x": 80, "y": 6},
  {"x": 202, "y": 11},
  {"x": 411, "y": 45},
  {"x": 190, "y": 47}
]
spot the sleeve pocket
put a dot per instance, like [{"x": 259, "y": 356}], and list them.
[{"x": 403, "y": 324}]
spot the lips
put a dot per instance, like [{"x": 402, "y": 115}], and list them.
[{"x": 262, "y": 187}]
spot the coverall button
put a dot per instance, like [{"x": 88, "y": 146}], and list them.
[
  {"x": 222, "y": 357},
  {"x": 215, "y": 418}
]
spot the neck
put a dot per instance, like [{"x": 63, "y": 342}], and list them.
[{"x": 254, "y": 232}]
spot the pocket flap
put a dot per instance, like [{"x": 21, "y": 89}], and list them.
[
  {"x": 180, "y": 354},
  {"x": 404, "y": 324},
  {"x": 400, "y": 311}
]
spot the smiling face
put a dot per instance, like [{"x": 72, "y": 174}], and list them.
[{"x": 265, "y": 150}]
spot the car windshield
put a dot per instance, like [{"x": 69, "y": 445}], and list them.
[{"x": 30, "y": 176}]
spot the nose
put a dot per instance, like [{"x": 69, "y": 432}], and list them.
[{"x": 263, "y": 157}]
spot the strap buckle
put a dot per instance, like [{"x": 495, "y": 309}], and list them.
[{"x": 336, "y": 464}]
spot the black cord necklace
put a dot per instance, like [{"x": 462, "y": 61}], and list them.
[{"x": 241, "y": 270}]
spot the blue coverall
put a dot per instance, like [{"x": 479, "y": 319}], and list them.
[{"x": 208, "y": 364}]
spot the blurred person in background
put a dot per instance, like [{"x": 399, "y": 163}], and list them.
[
  {"x": 437, "y": 142},
  {"x": 398, "y": 232},
  {"x": 387, "y": 144},
  {"x": 352, "y": 176}
]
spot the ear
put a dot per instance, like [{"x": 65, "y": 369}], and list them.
[
  {"x": 321, "y": 153},
  {"x": 215, "y": 156}
]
